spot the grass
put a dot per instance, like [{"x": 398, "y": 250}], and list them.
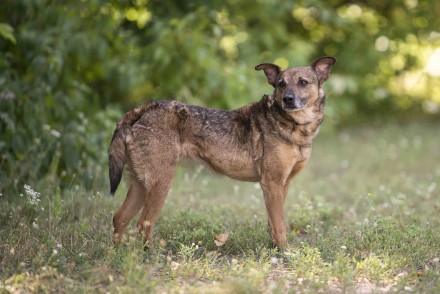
[{"x": 363, "y": 217}]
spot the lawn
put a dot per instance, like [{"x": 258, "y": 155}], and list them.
[{"x": 362, "y": 217}]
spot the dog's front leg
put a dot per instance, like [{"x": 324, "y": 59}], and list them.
[{"x": 274, "y": 200}]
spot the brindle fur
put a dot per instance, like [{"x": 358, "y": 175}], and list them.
[{"x": 269, "y": 141}]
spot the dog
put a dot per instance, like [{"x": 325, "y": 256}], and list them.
[{"x": 269, "y": 142}]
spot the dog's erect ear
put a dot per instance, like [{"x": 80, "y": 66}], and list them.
[
  {"x": 322, "y": 67},
  {"x": 271, "y": 71}
]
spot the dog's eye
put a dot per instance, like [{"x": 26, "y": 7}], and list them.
[
  {"x": 281, "y": 84},
  {"x": 303, "y": 82}
]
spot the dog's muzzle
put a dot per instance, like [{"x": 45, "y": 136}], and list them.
[{"x": 292, "y": 102}]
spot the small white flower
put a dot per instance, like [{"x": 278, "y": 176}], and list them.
[
  {"x": 343, "y": 247},
  {"x": 273, "y": 260},
  {"x": 35, "y": 225},
  {"x": 431, "y": 187},
  {"x": 33, "y": 196},
  {"x": 55, "y": 133},
  {"x": 174, "y": 265},
  {"x": 55, "y": 252},
  {"x": 59, "y": 245}
]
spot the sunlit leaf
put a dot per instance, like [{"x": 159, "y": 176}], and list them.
[{"x": 7, "y": 32}]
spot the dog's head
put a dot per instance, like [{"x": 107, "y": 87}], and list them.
[{"x": 299, "y": 87}]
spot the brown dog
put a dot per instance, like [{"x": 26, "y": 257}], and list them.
[{"x": 268, "y": 141}]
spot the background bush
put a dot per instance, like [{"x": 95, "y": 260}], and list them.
[{"x": 68, "y": 69}]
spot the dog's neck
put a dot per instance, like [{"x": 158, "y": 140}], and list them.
[{"x": 299, "y": 127}]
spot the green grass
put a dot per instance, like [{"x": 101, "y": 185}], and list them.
[{"x": 362, "y": 217}]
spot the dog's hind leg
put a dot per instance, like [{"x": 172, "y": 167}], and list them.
[
  {"x": 132, "y": 204},
  {"x": 154, "y": 151},
  {"x": 154, "y": 202}
]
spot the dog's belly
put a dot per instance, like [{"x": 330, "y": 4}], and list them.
[
  {"x": 239, "y": 169},
  {"x": 236, "y": 164}
]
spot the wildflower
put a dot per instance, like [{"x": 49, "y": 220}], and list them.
[
  {"x": 55, "y": 133},
  {"x": 33, "y": 196},
  {"x": 174, "y": 265},
  {"x": 343, "y": 247},
  {"x": 7, "y": 96},
  {"x": 430, "y": 189}
]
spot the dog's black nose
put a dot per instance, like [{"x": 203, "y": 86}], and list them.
[{"x": 289, "y": 99}]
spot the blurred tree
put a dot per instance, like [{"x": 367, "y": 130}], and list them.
[
  {"x": 68, "y": 61},
  {"x": 65, "y": 66}
]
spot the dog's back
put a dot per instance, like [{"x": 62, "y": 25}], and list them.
[{"x": 223, "y": 140}]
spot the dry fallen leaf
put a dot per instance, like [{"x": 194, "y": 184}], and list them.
[{"x": 221, "y": 239}]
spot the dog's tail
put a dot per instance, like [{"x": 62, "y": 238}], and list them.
[{"x": 117, "y": 149}]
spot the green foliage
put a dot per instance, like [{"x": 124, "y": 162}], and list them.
[
  {"x": 7, "y": 32},
  {"x": 67, "y": 66},
  {"x": 55, "y": 82}
]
